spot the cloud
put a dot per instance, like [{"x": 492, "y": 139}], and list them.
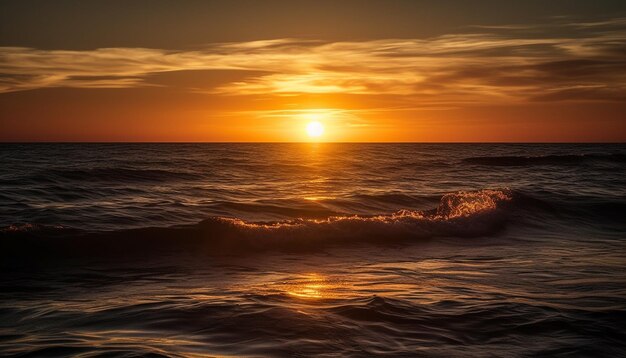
[{"x": 587, "y": 61}]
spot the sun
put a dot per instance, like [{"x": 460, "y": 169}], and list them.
[{"x": 314, "y": 129}]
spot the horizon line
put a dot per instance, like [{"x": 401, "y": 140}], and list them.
[{"x": 305, "y": 142}]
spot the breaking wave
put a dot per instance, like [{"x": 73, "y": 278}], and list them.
[{"x": 461, "y": 214}]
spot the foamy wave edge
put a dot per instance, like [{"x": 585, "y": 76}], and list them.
[{"x": 460, "y": 214}]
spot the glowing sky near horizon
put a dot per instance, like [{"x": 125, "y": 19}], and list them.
[{"x": 257, "y": 71}]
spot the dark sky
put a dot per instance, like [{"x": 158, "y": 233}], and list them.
[
  {"x": 372, "y": 70},
  {"x": 175, "y": 24}
]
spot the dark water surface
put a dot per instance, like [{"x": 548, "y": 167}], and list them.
[{"x": 313, "y": 250}]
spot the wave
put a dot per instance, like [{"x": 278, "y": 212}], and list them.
[
  {"x": 117, "y": 175},
  {"x": 461, "y": 214},
  {"x": 570, "y": 159}
]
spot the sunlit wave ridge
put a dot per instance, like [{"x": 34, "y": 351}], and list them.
[
  {"x": 460, "y": 214},
  {"x": 472, "y": 213}
]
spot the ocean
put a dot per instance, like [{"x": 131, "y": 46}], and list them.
[{"x": 312, "y": 249}]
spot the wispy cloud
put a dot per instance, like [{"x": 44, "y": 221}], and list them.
[{"x": 505, "y": 64}]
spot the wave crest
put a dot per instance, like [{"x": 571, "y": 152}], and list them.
[
  {"x": 461, "y": 214},
  {"x": 452, "y": 206},
  {"x": 464, "y": 204}
]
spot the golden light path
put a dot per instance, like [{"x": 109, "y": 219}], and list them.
[{"x": 314, "y": 285}]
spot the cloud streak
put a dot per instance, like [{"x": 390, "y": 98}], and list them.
[{"x": 508, "y": 64}]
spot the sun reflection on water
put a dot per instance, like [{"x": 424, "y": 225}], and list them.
[{"x": 313, "y": 286}]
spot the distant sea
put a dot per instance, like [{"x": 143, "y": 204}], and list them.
[{"x": 313, "y": 249}]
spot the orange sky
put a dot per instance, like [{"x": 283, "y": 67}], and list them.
[{"x": 532, "y": 73}]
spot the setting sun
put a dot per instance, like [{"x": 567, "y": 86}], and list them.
[{"x": 314, "y": 129}]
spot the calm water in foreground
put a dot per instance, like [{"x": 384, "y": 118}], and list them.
[{"x": 312, "y": 250}]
